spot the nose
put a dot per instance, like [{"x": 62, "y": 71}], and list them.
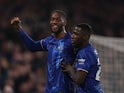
[
  {"x": 53, "y": 21},
  {"x": 72, "y": 36}
]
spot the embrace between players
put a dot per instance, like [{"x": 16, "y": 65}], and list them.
[{"x": 73, "y": 63}]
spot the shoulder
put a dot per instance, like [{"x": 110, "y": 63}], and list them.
[
  {"x": 67, "y": 39},
  {"x": 68, "y": 35},
  {"x": 88, "y": 51},
  {"x": 49, "y": 38}
]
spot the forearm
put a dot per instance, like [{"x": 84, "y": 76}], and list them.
[
  {"x": 73, "y": 76},
  {"x": 78, "y": 76},
  {"x": 30, "y": 44}
]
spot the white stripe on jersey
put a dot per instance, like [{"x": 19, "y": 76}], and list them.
[
  {"x": 82, "y": 69},
  {"x": 41, "y": 43}
]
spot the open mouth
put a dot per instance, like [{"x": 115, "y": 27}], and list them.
[{"x": 54, "y": 27}]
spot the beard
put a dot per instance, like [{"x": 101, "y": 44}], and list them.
[{"x": 56, "y": 29}]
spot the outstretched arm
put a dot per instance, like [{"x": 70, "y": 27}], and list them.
[
  {"x": 30, "y": 44},
  {"x": 78, "y": 76}
]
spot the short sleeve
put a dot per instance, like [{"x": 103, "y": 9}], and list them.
[{"x": 84, "y": 61}]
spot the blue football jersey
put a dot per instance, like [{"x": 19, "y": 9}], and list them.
[
  {"x": 87, "y": 60},
  {"x": 59, "y": 50}
]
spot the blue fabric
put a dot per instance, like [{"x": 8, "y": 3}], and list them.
[
  {"x": 87, "y": 60},
  {"x": 30, "y": 44},
  {"x": 59, "y": 50}
]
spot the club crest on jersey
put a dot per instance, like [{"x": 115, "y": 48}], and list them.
[
  {"x": 60, "y": 48},
  {"x": 81, "y": 61}
]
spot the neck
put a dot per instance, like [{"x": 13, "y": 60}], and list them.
[
  {"x": 84, "y": 45},
  {"x": 61, "y": 34}
]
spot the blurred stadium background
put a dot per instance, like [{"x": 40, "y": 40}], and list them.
[{"x": 24, "y": 72}]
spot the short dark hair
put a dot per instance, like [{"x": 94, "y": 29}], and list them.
[
  {"x": 62, "y": 13},
  {"x": 85, "y": 27}
]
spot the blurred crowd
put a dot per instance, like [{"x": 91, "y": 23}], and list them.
[{"x": 22, "y": 71}]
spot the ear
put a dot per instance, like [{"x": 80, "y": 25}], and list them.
[
  {"x": 64, "y": 21},
  {"x": 85, "y": 36}
]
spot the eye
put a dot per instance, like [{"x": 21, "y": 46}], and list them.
[
  {"x": 76, "y": 33},
  {"x": 51, "y": 19},
  {"x": 58, "y": 19}
]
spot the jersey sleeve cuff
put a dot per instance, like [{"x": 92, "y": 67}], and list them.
[{"x": 82, "y": 69}]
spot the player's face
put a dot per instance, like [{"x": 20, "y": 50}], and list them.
[
  {"x": 77, "y": 37},
  {"x": 57, "y": 22}
]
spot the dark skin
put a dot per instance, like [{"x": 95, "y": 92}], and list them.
[
  {"x": 79, "y": 39},
  {"x": 57, "y": 23}
]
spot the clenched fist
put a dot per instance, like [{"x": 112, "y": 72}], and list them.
[{"x": 16, "y": 23}]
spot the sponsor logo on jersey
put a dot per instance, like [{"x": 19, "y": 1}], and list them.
[{"x": 81, "y": 61}]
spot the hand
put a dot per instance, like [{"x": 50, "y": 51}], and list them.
[
  {"x": 16, "y": 23},
  {"x": 67, "y": 68}
]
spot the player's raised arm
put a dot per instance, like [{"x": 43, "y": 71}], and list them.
[{"x": 28, "y": 41}]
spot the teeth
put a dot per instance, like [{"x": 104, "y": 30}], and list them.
[{"x": 55, "y": 26}]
